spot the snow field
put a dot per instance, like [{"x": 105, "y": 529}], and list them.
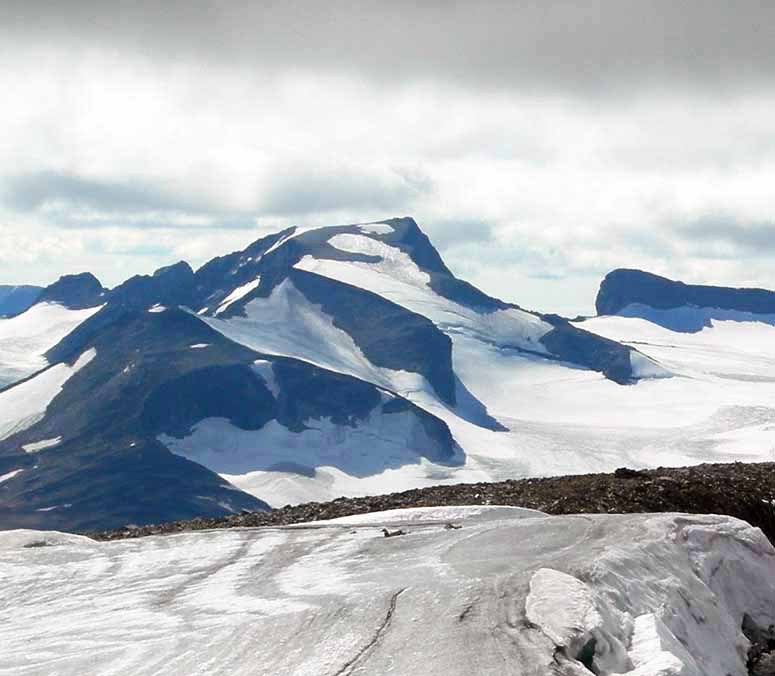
[{"x": 508, "y": 593}]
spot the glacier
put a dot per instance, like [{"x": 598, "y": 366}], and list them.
[{"x": 505, "y": 591}]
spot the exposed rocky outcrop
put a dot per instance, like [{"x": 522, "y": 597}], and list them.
[
  {"x": 171, "y": 285},
  {"x": 761, "y": 654},
  {"x": 76, "y": 292}
]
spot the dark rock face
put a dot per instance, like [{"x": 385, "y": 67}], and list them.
[
  {"x": 761, "y": 654},
  {"x": 311, "y": 393},
  {"x": 232, "y": 392},
  {"x": 172, "y": 286},
  {"x": 621, "y": 288},
  {"x": 16, "y": 299},
  {"x": 571, "y": 344},
  {"x": 76, "y": 292},
  {"x": 92, "y": 485}
]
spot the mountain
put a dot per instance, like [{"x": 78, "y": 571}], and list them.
[
  {"x": 466, "y": 590},
  {"x": 16, "y": 299},
  {"x": 342, "y": 360},
  {"x": 679, "y": 306}
]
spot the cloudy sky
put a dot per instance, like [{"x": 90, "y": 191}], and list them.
[{"x": 539, "y": 144}]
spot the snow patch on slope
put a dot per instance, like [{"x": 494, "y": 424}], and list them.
[
  {"x": 295, "y": 233},
  {"x": 25, "y": 404},
  {"x": 395, "y": 262},
  {"x": 279, "y": 487},
  {"x": 10, "y": 475},
  {"x": 733, "y": 350},
  {"x": 24, "y": 339},
  {"x": 39, "y": 446},
  {"x": 377, "y": 228},
  {"x": 238, "y": 293},
  {"x": 266, "y": 372}
]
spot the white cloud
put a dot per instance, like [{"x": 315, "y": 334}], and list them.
[{"x": 532, "y": 196}]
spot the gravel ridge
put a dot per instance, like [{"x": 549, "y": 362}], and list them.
[{"x": 742, "y": 490}]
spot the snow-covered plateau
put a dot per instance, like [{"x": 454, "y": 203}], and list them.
[{"x": 464, "y": 591}]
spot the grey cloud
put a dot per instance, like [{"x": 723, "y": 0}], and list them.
[
  {"x": 596, "y": 45},
  {"x": 735, "y": 235},
  {"x": 301, "y": 193},
  {"x": 448, "y": 233},
  {"x": 66, "y": 197},
  {"x": 29, "y": 192},
  {"x": 69, "y": 200}
]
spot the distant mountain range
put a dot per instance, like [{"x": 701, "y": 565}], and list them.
[{"x": 328, "y": 361}]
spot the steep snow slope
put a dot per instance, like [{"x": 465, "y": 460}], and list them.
[
  {"x": 26, "y": 338},
  {"x": 510, "y": 592}
]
